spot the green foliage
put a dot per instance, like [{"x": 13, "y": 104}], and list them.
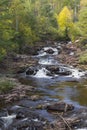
[
  {"x": 83, "y": 58},
  {"x": 24, "y": 22},
  {"x": 74, "y": 32},
  {"x": 2, "y": 53},
  {"x": 27, "y": 33},
  {"x": 82, "y": 23},
  {"x": 54, "y": 35},
  {"x": 6, "y": 85}
]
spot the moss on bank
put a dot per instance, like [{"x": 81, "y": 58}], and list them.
[
  {"x": 83, "y": 58},
  {"x": 6, "y": 85}
]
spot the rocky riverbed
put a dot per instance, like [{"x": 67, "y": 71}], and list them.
[
  {"x": 25, "y": 108},
  {"x": 38, "y": 106}
]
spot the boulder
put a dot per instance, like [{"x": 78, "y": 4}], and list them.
[
  {"x": 31, "y": 71},
  {"x": 60, "y": 107},
  {"x": 49, "y": 51},
  {"x": 52, "y": 69},
  {"x": 58, "y": 70}
]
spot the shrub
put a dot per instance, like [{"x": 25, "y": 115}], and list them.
[
  {"x": 2, "y": 53},
  {"x": 6, "y": 85},
  {"x": 83, "y": 58}
]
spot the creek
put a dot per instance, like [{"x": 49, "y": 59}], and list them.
[
  {"x": 56, "y": 81},
  {"x": 53, "y": 82}
]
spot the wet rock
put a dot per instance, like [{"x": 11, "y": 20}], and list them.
[
  {"x": 53, "y": 69},
  {"x": 29, "y": 124},
  {"x": 20, "y": 115},
  {"x": 60, "y": 107},
  {"x": 13, "y": 109},
  {"x": 35, "y": 97},
  {"x": 59, "y": 49},
  {"x": 26, "y": 119},
  {"x": 31, "y": 71},
  {"x": 49, "y": 51},
  {"x": 58, "y": 70}
]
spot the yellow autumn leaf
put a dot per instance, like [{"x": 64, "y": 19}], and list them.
[{"x": 64, "y": 18}]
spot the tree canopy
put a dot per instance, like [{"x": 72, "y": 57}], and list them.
[{"x": 26, "y": 22}]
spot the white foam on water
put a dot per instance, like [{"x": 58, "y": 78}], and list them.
[
  {"x": 43, "y": 53},
  {"x": 8, "y": 120},
  {"x": 42, "y": 73},
  {"x": 16, "y": 107},
  {"x": 45, "y": 62},
  {"x": 54, "y": 49},
  {"x": 48, "y": 61},
  {"x": 25, "y": 119},
  {"x": 36, "y": 120},
  {"x": 82, "y": 129},
  {"x": 75, "y": 72}
]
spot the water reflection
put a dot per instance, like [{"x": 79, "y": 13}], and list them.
[{"x": 73, "y": 92}]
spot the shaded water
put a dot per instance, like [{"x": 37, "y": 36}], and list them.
[{"x": 71, "y": 92}]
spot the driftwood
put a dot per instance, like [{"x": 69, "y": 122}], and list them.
[
  {"x": 68, "y": 122},
  {"x": 65, "y": 121}
]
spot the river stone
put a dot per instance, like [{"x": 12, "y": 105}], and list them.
[
  {"x": 20, "y": 115},
  {"x": 31, "y": 71},
  {"x": 49, "y": 51},
  {"x": 58, "y": 70},
  {"x": 60, "y": 107},
  {"x": 28, "y": 124},
  {"x": 52, "y": 69},
  {"x": 35, "y": 97}
]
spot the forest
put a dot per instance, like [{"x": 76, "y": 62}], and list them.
[{"x": 25, "y": 22}]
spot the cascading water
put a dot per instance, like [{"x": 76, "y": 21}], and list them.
[
  {"x": 48, "y": 61},
  {"x": 6, "y": 121},
  {"x": 75, "y": 73},
  {"x": 53, "y": 52},
  {"x": 42, "y": 73},
  {"x": 46, "y": 58},
  {"x": 47, "y": 51}
]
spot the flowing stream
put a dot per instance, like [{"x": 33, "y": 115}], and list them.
[{"x": 54, "y": 82}]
